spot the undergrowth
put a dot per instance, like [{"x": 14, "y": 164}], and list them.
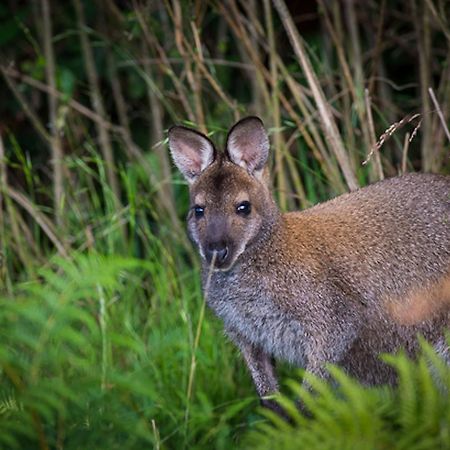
[
  {"x": 343, "y": 414},
  {"x": 88, "y": 362}
]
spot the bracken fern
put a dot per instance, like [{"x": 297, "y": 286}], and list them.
[{"x": 343, "y": 414}]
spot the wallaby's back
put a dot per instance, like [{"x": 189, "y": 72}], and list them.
[{"x": 382, "y": 239}]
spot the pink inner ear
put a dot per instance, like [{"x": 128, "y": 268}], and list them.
[
  {"x": 191, "y": 151},
  {"x": 189, "y": 160},
  {"x": 248, "y": 144}
]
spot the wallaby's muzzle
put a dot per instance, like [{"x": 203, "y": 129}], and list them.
[{"x": 221, "y": 251}]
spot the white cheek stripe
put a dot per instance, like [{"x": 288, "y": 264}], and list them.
[{"x": 197, "y": 242}]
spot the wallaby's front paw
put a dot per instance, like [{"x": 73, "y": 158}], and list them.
[{"x": 276, "y": 408}]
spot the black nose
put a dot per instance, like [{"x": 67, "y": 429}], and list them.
[{"x": 220, "y": 249}]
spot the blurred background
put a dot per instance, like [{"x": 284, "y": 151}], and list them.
[{"x": 105, "y": 341}]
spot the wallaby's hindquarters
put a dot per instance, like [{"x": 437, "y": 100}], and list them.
[{"x": 340, "y": 283}]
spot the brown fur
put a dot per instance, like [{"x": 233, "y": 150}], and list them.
[
  {"x": 421, "y": 303},
  {"x": 341, "y": 282}
]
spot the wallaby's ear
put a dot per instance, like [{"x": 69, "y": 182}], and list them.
[
  {"x": 248, "y": 145},
  {"x": 191, "y": 151}
]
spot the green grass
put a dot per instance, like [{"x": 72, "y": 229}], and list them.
[{"x": 97, "y": 354}]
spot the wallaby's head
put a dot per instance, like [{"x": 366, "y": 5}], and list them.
[{"x": 231, "y": 203}]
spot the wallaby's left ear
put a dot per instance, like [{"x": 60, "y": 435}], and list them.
[{"x": 248, "y": 145}]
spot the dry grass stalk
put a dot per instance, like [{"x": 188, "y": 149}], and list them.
[
  {"x": 440, "y": 18},
  {"x": 378, "y": 166},
  {"x": 312, "y": 138},
  {"x": 329, "y": 126},
  {"x": 32, "y": 116},
  {"x": 406, "y": 143},
  {"x": 310, "y": 133},
  {"x": 192, "y": 79},
  {"x": 75, "y": 105},
  {"x": 3, "y": 181},
  {"x": 196, "y": 342},
  {"x": 55, "y": 141},
  {"x": 355, "y": 82},
  {"x": 45, "y": 224},
  {"x": 390, "y": 131},
  {"x": 165, "y": 65},
  {"x": 9, "y": 222},
  {"x": 97, "y": 103},
  {"x": 358, "y": 77},
  {"x": 422, "y": 29},
  {"x": 258, "y": 104},
  {"x": 165, "y": 195},
  {"x": 281, "y": 183},
  {"x": 440, "y": 113},
  {"x": 134, "y": 151},
  {"x": 232, "y": 15},
  {"x": 377, "y": 47}
]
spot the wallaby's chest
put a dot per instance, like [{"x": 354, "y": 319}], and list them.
[{"x": 251, "y": 310}]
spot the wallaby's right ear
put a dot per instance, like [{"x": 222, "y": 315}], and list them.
[
  {"x": 248, "y": 145},
  {"x": 192, "y": 152}
]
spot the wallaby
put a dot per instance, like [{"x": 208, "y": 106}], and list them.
[{"x": 341, "y": 282}]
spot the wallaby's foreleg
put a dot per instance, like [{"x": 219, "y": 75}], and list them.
[{"x": 261, "y": 370}]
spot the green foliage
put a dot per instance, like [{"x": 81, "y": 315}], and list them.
[
  {"x": 346, "y": 415},
  {"x": 87, "y": 363}
]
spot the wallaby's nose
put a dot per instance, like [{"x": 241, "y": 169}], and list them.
[{"x": 220, "y": 249}]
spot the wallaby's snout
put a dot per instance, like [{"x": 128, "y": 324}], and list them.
[
  {"x": 217, "y": 245},
  {"x": 220, "y": 250}
]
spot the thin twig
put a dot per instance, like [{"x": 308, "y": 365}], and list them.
[{"x": 440, "y": 113}]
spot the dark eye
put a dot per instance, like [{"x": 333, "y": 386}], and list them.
[
  {"x": 199, "y": 211},
  {"x": 244, "y": 208}
]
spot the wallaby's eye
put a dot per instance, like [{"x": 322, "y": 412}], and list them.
[
  {"x": 244, "y": 208},
  {"x": 199, "y": 211}
]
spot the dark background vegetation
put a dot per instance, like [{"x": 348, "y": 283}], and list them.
[{"x": 105, "y": 341}]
